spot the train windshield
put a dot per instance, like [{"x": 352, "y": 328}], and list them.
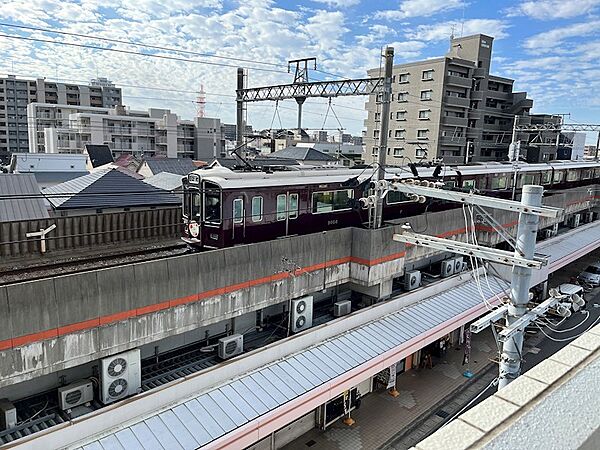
[{"x": 212, "y": 203}]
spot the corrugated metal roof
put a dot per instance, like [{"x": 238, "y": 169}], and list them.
[
  {"x": 563, "y": 245},
  {"x": 212, "y": 414},
  {"x": 13, "y": 184},
  {"x": 302, "y": 154},
  {"x": 110, "y": 187},
  {"x": 165, "y": 181}
]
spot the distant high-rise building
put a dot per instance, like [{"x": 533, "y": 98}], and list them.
[
  {"x": 17, "y": 93},
  {"x": 449, "y": 107}
]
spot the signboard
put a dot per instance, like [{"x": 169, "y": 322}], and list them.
[{"x": 392, "y": 378}]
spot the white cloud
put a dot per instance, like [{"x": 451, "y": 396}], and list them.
[
  {"x": 442, "y": 31},
  {"x": 339, "y": 3},
  {"x": 377, "y": 33},
  {"x": 419, "y": 8},
  {"x": 555, "y": 38},
  {"x": 554, "y": 9}
]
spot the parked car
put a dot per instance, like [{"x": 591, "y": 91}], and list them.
[{"x": 591, "y": 275}]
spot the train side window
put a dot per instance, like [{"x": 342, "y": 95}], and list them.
[
  {"x": 450, "y": 184},
  {"x": 187, "y": 198},
  {"x": 394, "y": 197},
  {"x": 293, "y": 212},
  {"x": 586, "y": 174},
  {"x": 596, "y": 173},
  {"x": 257, "y": 209},
  {"x": 547, "y": 177},
  {"x": 526, "y": 179},
  {"x": 572, "y": 175},
  {"x": 498, "y": 183},
  {"x": 238, "y": 210},
  {"x": 331, "y": 200},
  {"x": 468, "y": 184},
  {"x": 281, "y": 206},
  {"x": 559, "y": 176}
]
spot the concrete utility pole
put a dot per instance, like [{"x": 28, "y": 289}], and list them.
[
  {"x": 386, "y": 96},
  {"x": 512, "y": 349},
  {"x": 240, "y": 109}
]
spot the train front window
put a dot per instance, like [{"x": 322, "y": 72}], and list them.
[{"x": 212, "y": 204}]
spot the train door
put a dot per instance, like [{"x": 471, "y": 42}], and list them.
[
  {"x": 286, "y": 212},
  {"x": 238, "y": 216}
]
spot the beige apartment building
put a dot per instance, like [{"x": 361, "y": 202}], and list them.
[
  {"x": 56, "y": 128},
  {"x": 448, "y": 107},
  {"x": 17, "y": 93}
]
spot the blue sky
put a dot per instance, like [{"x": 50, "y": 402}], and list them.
[{"x": 550, "y": 47}]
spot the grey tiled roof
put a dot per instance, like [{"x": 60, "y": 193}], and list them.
[
  {"x": 179, "y": 166},
  {"x": 302, "y": 154},
  {"x": 28, "y": 205},
  {"x": 111, "y": 187}
]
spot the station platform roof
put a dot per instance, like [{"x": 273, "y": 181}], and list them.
[{"x": 568, "y": 247}]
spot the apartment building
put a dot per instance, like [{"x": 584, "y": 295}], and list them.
[
  {"x": 449, "y": 107},
  {"x": 17, "y": 93},
  {"x": 59, "y": 128}
]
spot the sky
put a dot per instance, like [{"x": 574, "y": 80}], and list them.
[{"x": 550, "y": 47}]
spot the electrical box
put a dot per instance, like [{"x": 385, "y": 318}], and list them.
[
  {"x": 8, "y": 414},
  {"x": 412, "y": 280},
  {"x": 230, "y": 346},
  {"x": 75, "y": 394},
  {"x": 120, "y": 376},
  {"x": 342, "y": 308},
  {"x": 302, "y": 313},
  {"x": 447, "y": 268}
]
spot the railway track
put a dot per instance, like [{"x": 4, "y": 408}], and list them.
[{"x": 90, "y": 261}]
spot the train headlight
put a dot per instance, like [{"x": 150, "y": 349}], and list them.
[{"x": 194, "y": 229}]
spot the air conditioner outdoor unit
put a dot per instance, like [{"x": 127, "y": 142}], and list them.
[
  {"x": 459, "y": 263},
  {"x": 412, "y": 280},
  {"x": 447, "y": 268},
  {"x": 75, "y": 394},
  {"x": 342, "y": 308},
  {"x": 120, "y": 376},
  {"x": 302, "y": 312},
  {"x": 231, "y": 346},
  {"x": 555, "y": 229},
  {"x": 8, "y": 414},
  {"x": 573, "y": 221}
]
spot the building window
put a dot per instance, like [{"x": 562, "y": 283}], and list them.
[
  {"x": 421, "y": 153},
  {"x": 281, "y": 206},
  {"x": 238, "y": 210},
  {"x": 426, "y": 95},
  {"x": 293, "y": 212},
  {"x": 424, "y": 114},
  {"x": 403, "y": 78},
  {"x": 427, "y": 75},
  {"x": 398, "y": 151},
  {"x": 377, "y": 117},
  {"x": 376, "y": 134},
  {"x": 402, "y": 96},
  {"x": 422, "y": 134},
  {"x": 400, "y": 115},
  {"x": 400, "y": 134},
  {"x": 331, "y": 200},
  {"x": 257, "y": 209},
  {"x": 375, "y": 151}
]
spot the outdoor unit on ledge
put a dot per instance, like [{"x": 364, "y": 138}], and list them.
[
  {"x": 120, "y": 376},
  {"x": 342, "y": 308},
  {"x": 412, "y": 280},
  {"x": 231, "y": 346},
  {"x": 75, "y": 394},
  {"x": 447, "y": 268},
  {"x": 302, "y": 313},
  {"x": 459, "y": 264}
]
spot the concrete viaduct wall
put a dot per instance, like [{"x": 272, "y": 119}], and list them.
[{"x": 57, "y": 323}]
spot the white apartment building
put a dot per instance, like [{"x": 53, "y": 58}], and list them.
[{"x": 55, "y": 128}]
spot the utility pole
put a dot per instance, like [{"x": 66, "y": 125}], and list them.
[
  {"x": 386, "y": 96},
  {"x": 240, "y": 109},
  {"x": 512, "y": 350}
]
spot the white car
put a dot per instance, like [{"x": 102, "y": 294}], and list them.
[{"x": 591, "y": 275}]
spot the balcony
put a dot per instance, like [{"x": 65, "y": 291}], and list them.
[
  {"x": 454, "y": 121},
  {"x": 459, "y": 81},
  {"x": 456, "y": 101},
  {"x": 460, "y": 141}
]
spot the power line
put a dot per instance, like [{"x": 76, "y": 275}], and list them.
[
  {"x": 141, "y": 44},
  {"x": 130, "y": 52}
]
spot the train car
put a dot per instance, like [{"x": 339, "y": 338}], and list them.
[{"x": 223, "y": 207}]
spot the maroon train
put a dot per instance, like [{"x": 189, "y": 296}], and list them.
[{"x": 222, "y": 208}]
